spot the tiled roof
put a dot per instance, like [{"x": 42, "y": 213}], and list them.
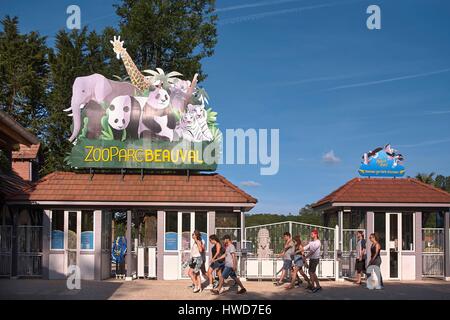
[
  {"x": 12, "y": 184},
  {"x": 70, "y": 186},
  {"x": 26, "y": 152},
  {"x": 383, "y": 190}
]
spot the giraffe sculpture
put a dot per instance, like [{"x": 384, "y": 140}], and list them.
[{"x": 137, "y": 78}]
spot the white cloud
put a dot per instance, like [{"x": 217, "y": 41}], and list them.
[
  {"x": 250, "y": 183},
  {"x": 407, "y": 77},
  {"x": 330, "y": 158},
  {"x": 257, "y": 16},
  {"x": 253, "y": 5}
]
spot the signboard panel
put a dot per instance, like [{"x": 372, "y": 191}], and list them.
[
  {"x": 382, "y": 162},
  {"x": 158, "y": 121}
]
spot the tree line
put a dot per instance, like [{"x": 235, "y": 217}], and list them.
[
  {"x": 439, "y": 181},
  {"x": 305, "y": 215},
  {"x": 36, "y": 80}
]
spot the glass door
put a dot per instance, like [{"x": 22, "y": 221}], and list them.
[
  {"x": 185, "y": 229},
  {"x": 187, "y": 223},
  {"x": 393, "y": 239},
  {"x": 71, "y": 253}
]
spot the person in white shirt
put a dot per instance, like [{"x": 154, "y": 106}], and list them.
[
  {"x": 196, "y": 260},
  {"x": 313, "y": 248}
]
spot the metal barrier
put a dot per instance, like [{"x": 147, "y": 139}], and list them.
[
  {"x": 267, "y": 268},
  {"x": 146, "y": 262},
  {"x": 5, "y": 250},
  {"x": 29, "y": 251},
  {"x": 276, "y": 231},
  {"x": 348, "y": 255},
  {"x": 433, "y": 244}
]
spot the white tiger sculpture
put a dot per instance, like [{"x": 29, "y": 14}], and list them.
[{"x": 193, "y": 125}]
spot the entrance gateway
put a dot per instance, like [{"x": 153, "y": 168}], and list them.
[{"x": 143, "y": 160}]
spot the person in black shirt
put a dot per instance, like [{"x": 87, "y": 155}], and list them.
[{"x": 360, "y": 264}]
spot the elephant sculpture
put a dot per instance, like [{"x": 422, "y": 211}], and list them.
[{"x": 95, "y": 88}]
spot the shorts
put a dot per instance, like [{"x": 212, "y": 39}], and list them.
[
  {"x": 196, "y": 264},
  {"x": 298, "y": 261},
  {"x": 360, "y": 265},
  {"x": 217, "y": 265},
  {"x": 228, "y": 272},
  {"x": 313, "y": 265},
  {"x": 287, "y": 264}
]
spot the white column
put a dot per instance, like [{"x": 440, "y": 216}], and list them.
[
  {"x": 341, "y": 226},
  {"x": 129, "y": 245},
  {"x": 447, "y": 246},
  {"x": 98, "y": 260},
  {"x": 242, "y": 228},
  {"x": 160, "y": 244}
]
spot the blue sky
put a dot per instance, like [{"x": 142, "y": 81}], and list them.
[{"x": 312, "y": 69}]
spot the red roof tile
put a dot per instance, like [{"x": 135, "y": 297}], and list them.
[
  {"x": 26, "y": 152},
  {"x": 70, "y": 186},
  {"x": 381, "y": 190}
]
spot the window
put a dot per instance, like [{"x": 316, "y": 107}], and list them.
[
  {"x": 331, "y": 219},
  {"x": 72, "y": 230},
  {"x": 408, "y": 231},
  {"x": 228, "y": 219},
  {"x": 380, "y": 228},
  {"x": 106, "y": 230},
  {"x": 186, "y": 231},
  {"x": 201, "y": 224},
  {"x": 433, "y": 220},
  {"x": 354, "y": 220},
  {"x": 171, "y": 236},
  {"x": 144, "y": 227},
  {"x": 57, "y": 232},
  {"x": 87, "y": 230}
]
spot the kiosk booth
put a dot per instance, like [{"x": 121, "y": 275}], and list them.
[
  {"x": 411, "y": 218},
  {"x": 159, "y": 211}
]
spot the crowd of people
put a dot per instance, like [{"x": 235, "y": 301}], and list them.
[
  {"x": 296, "y": 259},
  {"x": 223, "y": 264}
]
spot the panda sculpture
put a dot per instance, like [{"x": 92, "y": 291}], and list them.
[
  {"x": 142, "y": 117},
  {"x": 124, "y": 113},
  {"x": 157, "y": 118}
]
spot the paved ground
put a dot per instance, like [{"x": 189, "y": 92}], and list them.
[{"x": 152, "y": 289}]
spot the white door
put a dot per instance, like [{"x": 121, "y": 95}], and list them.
[
  {"x": 187, "y": 223},
  {"x": 185, "y": 230},
  {"x": 393, "y": 245}
]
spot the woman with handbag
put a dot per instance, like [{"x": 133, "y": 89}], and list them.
[
  {"x": 299, "y": 262},
  {"x": 375, "y": 258},
  {"x": 196, "y": 261}
]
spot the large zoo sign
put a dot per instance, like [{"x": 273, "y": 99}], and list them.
[{"x": 155, "y": 121}]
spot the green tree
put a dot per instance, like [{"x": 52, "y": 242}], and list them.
[
  {"x": 306, "y": 215},
  {"x": 77, "y": 53},
  {"x": 172, "y": 35},
  {"x": 426, "y": 177},
  {"x": 439, "y": 182},
  {"x": 24, "y": 75}
]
